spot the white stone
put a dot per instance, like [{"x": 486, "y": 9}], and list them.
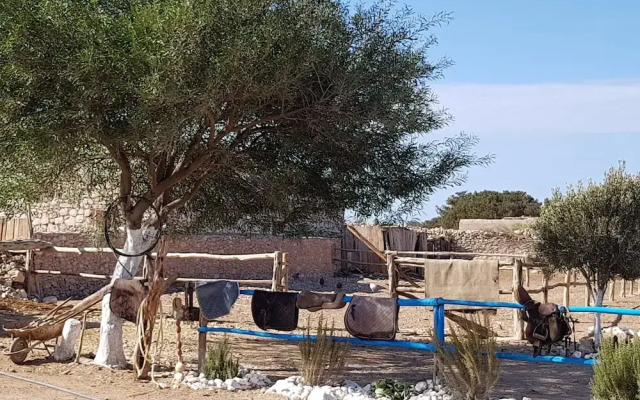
[
  {"x": 367, "y": 389},
  {"x": 321, "y": 393},
  {"x": 50, "y": 299},
  {"x": 526, "y": 398},
  {"x": 73, "y": 212},
  {"x": 203, "y": 380},
  {"x": 21, "y": 294},
  {"x": 190, "y": 379},
  {"x": 70, "y": 335},
  {"x": 17, "y": 275},
  {"x": 63, "y": 211},
  {"x": 576, "y": 354},
  {"x": 218, "y": 383},
  {"x": 201, "y": 376},
  {"x": 420, "y": 387}
]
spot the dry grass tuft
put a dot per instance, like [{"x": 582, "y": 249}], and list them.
[
  {"x": 323, "y": 358},
  {"x": 220, "y": 363},
  {"x": 470, "y": 366}
]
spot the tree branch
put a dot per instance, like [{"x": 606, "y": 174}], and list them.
[{"x": 125, "y": 168}]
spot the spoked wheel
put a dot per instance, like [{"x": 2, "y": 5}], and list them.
[{"x": 19, "y": 350}]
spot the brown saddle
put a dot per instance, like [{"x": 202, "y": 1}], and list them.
[
  {"x": 126, "y": 297},
  {"x": 315, "y": 301},
  {"x": 374, "y": 318},
  {"x": 546, "y": 325}
]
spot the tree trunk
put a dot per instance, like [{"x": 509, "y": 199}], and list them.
[
  {"x": 598, "y": 321},
  {"x": 110, "y": 351}
]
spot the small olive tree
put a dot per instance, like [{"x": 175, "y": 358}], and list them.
[{"x": 594, "y": 229}]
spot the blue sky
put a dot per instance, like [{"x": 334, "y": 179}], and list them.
[{"x": 551, "y": 88}]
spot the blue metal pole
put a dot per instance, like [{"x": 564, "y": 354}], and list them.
[{"x": 438, "y": 320}]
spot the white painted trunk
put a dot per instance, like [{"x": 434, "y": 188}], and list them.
[
  {"x": 598, "y": 321},
  {"x": 110, "y": 351},
  {"x": 66, "y": 349}
]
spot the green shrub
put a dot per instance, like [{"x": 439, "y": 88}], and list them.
[
  {"x": 323, "y": 358},
  {"x": 615, "y": 376},
  {"x": 220, "y": 363},
  {"x": 470, "y": 366},
  {"x": 390, "y": 389}
]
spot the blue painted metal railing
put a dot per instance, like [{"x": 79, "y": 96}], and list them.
[{"x": 438, "y": 305}]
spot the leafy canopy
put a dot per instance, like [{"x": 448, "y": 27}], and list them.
[
  {"x": 487, "y": 204},
  {"x": 253, "y": 112},
  {"x": 594, "y": 228}
]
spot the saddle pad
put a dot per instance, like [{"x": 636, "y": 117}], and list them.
[
  {"x": 372, "y": 317},
  {"x": 217, "y": 298},
  {"x": 126, "y": 297},
  {"x": 274, "y": 310},
  {"x": 315, "y": 301}
]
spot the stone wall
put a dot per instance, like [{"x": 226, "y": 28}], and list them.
[
  {"x": 63, "y": 216},
  {"x": 311, "y": 257},
  {"x": 518, "y": 242},
  {"x": 497, "y": 225}
]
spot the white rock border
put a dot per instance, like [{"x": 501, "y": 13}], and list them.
[{"x": 248, "y": 380}]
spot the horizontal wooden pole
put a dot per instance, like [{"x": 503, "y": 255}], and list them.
[
  {"x": 102, "y": 276},
  {"x": 360, "y": 262},
  {"x": 454, "y": 253},
  {"x": 556, "y": 285},
  {"x": 220, "y": 257}
]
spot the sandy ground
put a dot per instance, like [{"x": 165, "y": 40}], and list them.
[{"x": 278, "y": 359}]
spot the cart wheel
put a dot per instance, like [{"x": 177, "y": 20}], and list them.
[{"x": 19, "y": 350}]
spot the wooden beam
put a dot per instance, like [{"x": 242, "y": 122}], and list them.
[
  {"x": 364, "y": 240},
  {"x": 457, "y": 253},
  {"x": 518, "y": 323}
]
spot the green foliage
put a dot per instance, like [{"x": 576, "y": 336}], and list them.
[
  {"x": 471, "y": 368},
  {"x": 219, "y": 363},
  {"x": 250, "y": 113},
  {"x": 615, "y": 377},
  {"x": 594, "y": 228},
  {"x": 390, "y": 389},
  {"x": 484, "y": 205},
  {"x": 323, "y": 358}
]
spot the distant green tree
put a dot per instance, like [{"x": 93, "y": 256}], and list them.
[
  {"x": 594, "y": 229},
  {"x": 487, "y": 204}
]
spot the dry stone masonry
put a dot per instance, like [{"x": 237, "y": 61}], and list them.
[{"x": 12, "y": 276}]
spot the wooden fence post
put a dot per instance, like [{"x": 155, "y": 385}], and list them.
[
  {"x": 275, "y": 285},
  {"x": 612, "y": 292},
  {"x": 587, "y": 296},
  {"x": 526, "y": 276},
  {"x": 202, "y": 344},
  {"x": 393, "y": 282},
  {"x": 285, "y": 271},
  {"x": 518, "y": 323},
  {"x": 545, "y": 288},
  {"x": 567, "y": 289},
  {"x": 624, "y": 288}
]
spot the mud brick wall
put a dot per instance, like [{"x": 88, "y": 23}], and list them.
[{"x": 310, "y": 257}]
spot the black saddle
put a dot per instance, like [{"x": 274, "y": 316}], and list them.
[
  {"x": 546, "y": 324},
  {"x": 275, "y": 310}
]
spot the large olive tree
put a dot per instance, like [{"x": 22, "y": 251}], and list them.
[
  {"x": 594, "y": 229},
  {"x": 237, "y": 111}
]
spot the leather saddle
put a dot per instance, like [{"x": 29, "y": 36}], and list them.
[
  {"x": 315, "y": 301},
  {"x": 217, "y": 298},
  {"x": 546, "y": 324},
  {"x": 373, "y": 318},
  {"x": 126, "y": 298},
  {"x": 275, "y": 310}
]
